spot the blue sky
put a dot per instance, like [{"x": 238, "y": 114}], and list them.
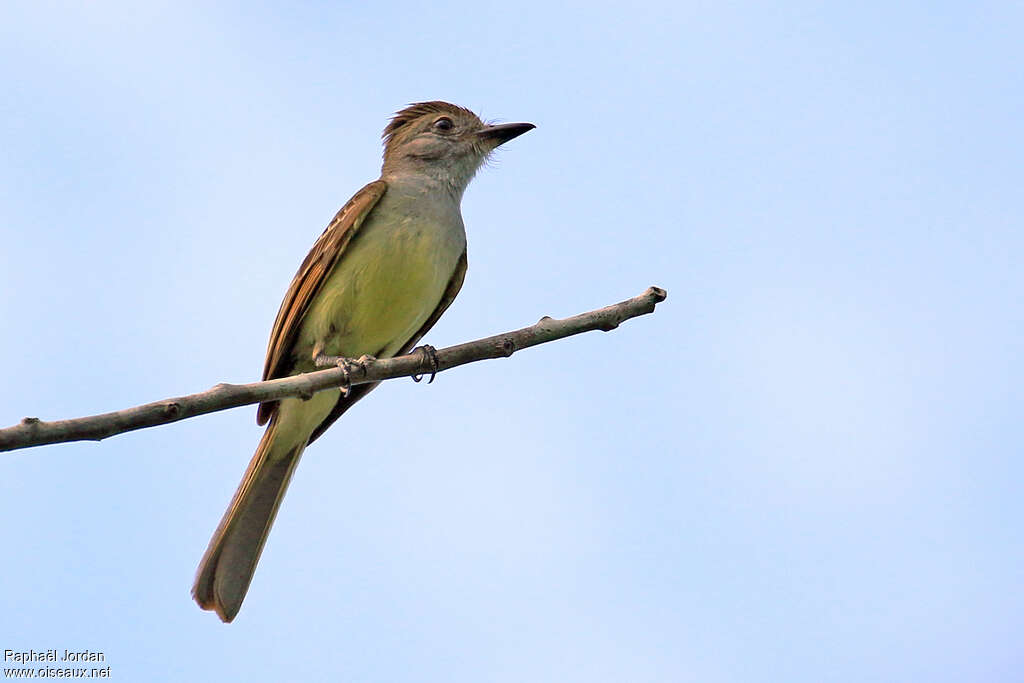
[{"x": 804, "y": 467}]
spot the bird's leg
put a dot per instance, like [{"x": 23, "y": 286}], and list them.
[
  {"x": 430, "y": 355},
  {"x": 363, "y": 361},
  {"x": 320, "y": 359},
  {"x": 347, "y": 365}
]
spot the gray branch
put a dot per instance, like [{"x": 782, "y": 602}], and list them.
[{"x": 35, "y": 432}]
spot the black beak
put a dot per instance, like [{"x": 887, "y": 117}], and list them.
[{"x": 503, "y": 132}]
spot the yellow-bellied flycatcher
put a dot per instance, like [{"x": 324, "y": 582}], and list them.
[{"x": 379, "y": 277}]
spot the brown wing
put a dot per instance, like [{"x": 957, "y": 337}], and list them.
[
  {"x": 314, "y": 269},
  {"x": 357, "y": 392}
]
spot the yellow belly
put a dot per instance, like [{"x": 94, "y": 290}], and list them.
[{"x": 387, "y": 283}]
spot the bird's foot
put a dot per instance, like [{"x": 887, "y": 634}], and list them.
[
  {"x": 346, "y": 365},
  {"x": 429, "y": 355}
]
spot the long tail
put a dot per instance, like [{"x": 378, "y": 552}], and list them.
[{"x": 228, "y": 565}]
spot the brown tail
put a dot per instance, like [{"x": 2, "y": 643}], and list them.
[{"x": 228, "y": 565}]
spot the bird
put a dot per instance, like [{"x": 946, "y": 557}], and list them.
[{"x": 387, "y": 266}]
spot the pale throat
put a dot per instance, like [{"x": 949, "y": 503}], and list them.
[{"x": 432, "y": 177}]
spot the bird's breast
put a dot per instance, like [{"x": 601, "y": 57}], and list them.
[{"x": 386, "y": 284}]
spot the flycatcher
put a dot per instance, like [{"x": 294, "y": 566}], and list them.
[{"x": 381, "y": 274}]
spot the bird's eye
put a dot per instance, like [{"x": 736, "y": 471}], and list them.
[{"x": 444, "y": 124}]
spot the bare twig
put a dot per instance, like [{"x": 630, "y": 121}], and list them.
[{"x": 34, "y": 432}]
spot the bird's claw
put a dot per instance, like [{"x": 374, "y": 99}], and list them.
[
  {"x": 346, "y": 386},
  {"x": 346, "y": 365},
  {"x": 430, "y": 355}
]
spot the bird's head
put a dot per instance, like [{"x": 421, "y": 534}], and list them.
[{"x": 443, "y": 141}]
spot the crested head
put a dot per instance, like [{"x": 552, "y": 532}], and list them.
[
  {"x": 403, "y": 124},
  {"x": 441, "y": 142}
]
